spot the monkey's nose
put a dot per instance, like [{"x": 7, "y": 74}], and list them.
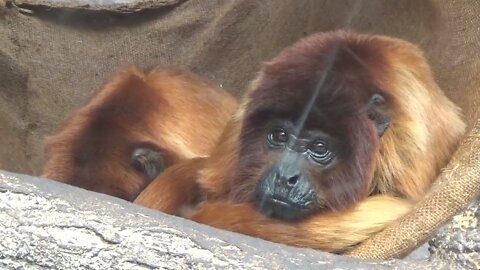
[
  {"x": 292, "y": 180},
  {"x": 285, "y": 193},
  {"x": 287, "y": 177}
]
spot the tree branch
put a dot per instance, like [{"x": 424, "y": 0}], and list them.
[{"x": 47, "y": 224}]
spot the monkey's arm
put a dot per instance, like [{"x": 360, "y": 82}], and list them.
[
  {"x": 173, "y": 188},
  {"x": 332, "y": 232}
]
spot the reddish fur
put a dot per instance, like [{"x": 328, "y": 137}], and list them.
[{"x": 169, "y": 110}]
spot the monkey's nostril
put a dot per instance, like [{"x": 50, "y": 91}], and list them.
[{"x": 292, "y": 180}]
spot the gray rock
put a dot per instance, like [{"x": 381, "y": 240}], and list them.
[
  {"x": 46, "y": 224},
  {"x": 110, "y": 5},
  {"x": 459, "y": 240}
]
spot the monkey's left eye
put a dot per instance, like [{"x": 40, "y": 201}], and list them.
[
  {"x": 277, "y": 137},
  {"x": 320, "y": 153},
  {"x": 319, "y": 148}
]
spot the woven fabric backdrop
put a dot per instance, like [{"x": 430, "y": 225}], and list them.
[{"x": 53, "y": 59}]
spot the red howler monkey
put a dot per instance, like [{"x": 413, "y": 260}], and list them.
[
  {"x": 136, "y": 126},
  {"x": 337, "y": 137}
]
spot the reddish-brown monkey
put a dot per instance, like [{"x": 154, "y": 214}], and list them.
[
  {"x": 376, "y": 131},
  {"x": 137, "y": 125}
]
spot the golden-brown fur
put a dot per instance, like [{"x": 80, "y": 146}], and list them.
[
  {"x": 176, "y": 187},
  {"x": 172, "y": 111},
  {"x": 331, "y": 232},
  {"x": 427, "y": 123}
]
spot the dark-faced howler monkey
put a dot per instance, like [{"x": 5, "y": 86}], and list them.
[{"x": 337, "y": 137}]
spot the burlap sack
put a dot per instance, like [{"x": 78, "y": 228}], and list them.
[{"x": 52, "y": 60}]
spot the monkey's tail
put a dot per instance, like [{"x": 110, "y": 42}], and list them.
[{"x": 332, "y": 232}]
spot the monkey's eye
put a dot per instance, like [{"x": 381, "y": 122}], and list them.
[
  {"x": 319, "y": 148},
  {"x": 277, "y": 137},
  {"x": 320, "y": 153}
]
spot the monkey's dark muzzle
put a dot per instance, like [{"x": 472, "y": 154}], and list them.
[{"x": 285, "y": 194}]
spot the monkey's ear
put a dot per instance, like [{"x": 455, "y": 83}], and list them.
[
  {"x": 378, "y": 112},
  {"x": 147, "y": 161}
]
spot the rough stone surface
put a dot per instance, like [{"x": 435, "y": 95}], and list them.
[
  {"x": 459, "y": 240},
  {"x": 46, "y": 224},
  {"x": 110, "y": 5}
]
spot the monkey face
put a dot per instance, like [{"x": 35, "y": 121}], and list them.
[
  {"x": 301, "y": 172},
  {"x": 310, "y": 133},
  {"x": 286, "y": 189},
  {"x": 326, "y": 165}
]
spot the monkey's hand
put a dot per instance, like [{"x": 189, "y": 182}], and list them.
[
  {"x": 332, "y": 232},
  {"x": 173, "y": 188}
]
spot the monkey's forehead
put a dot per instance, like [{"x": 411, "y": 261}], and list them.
[
  {"x": 291, "y": 93},
  {"x": 332, "y": 118},
  {"x": 355, "y": 56}
]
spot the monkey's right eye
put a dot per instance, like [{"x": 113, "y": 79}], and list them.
[{"x": 277, "y": 137}]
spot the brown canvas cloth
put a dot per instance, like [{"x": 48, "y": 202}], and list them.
[{"x": 53, "y": 60}]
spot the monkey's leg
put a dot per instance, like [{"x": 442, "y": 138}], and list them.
[
  {"x": 332, "y": 232},
  {"x": 173, "y": 188}
]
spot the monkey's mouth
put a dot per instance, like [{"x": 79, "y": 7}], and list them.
[{"x": 282, "y": 209}]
